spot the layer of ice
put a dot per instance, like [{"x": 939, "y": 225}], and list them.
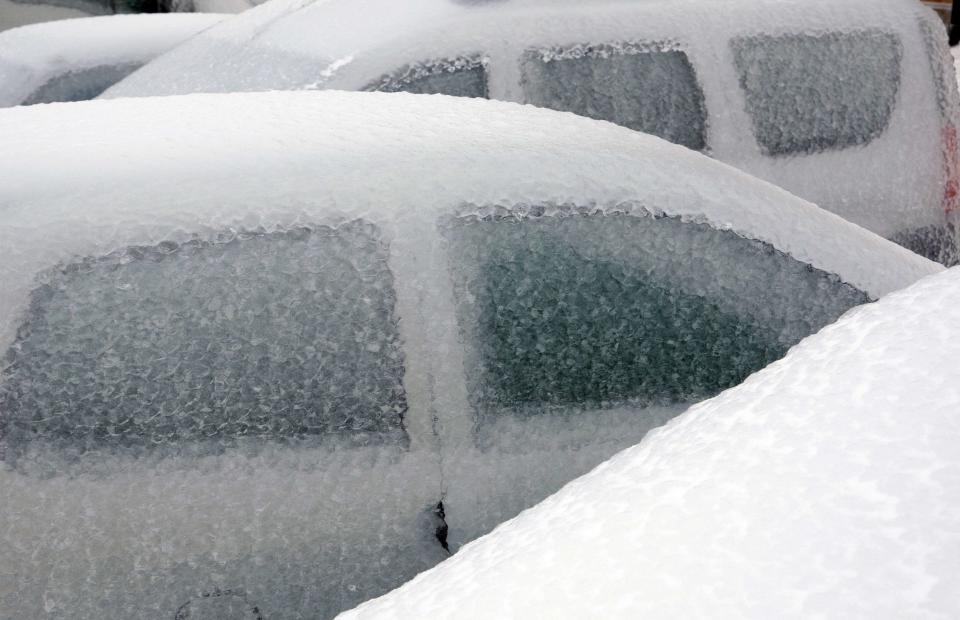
[
  {"x": 824, "y": 486},
  {"x": 240, "y": 364},
  {"x": 43, "y": 56},
  {"x": 841, "y": 102}
]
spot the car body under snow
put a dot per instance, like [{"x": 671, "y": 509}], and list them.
[
  {"x": 77, "y": 59},
  {"x": 317, "y": 341},
  {"x": 850, "y": 104},
  {"x": 824, "y": 486}
]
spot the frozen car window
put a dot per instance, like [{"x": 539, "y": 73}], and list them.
[
  {"x": 573, "y": 311},
  {"x": 459, "y": 77},
  {"x": 650, "y": 90},
  {"x": 80, "y": 85},
  {"x": 812, "y": 93},
  {"x": 280, "y": 335}
]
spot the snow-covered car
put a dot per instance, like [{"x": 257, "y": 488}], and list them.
[
  {"x": 316, "y": 340},
  {"x": 824, "y": 486},
  {"x": 850, "y": 104},
  {"x": 14, "y": 13},
  {"x": 77, "y": 59}
]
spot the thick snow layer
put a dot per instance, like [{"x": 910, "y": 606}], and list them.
[
  {"x": 825, "y": 486},
  {"x": 31, "y": 56},
  {"x": 389, "y": 300}
]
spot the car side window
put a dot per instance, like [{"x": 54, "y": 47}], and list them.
[
  {"x": 581, "y": 311},
  {"x": 279, "y": 335},
  {"x": 80, "y": 85},
  {"x": 650, "y": 88},
  {"x": 458, "y": 77},
  {"x": 809, "y": 93}
]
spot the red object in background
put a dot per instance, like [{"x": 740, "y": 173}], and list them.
[{"x": 951, "y": 162}]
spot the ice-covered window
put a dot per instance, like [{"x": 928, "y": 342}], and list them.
[
  {"x": 80, "y": 85},
  {"x": 277, "y": 335},
  {"x": 577, "y": 310},
  {"x": 649, "y": 88},
  {"x": 808, "y": 93},
  {"x": 458, "y": 77}
]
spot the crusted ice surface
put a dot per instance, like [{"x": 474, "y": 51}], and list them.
[
  {"x": 825, "y": 486},
  {"x": 815, "y": 92},
  {"x": 320, "y": 208},
  {"x": 75, "y": 59},
  {"x": 856, "y": 85},
  {"x": 600, "y": 82},
  {"x": 457, "y": 77},
  {"x": 283, "y": 335},
  {"x": 481, "y": 153},
  {"x": 576, "y": 309}
]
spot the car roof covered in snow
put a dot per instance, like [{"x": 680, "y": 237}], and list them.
[
  {"x": 302, "y": 44},
  {"x": 247, "y": 158},
  {"x": 826, "y": 485},
  {"x": 30, "y": 55},
  {"x": 89, "y": 178}
]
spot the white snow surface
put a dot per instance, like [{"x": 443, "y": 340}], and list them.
[
  {"x": 206, "y": 150},
  {"x": 31, "y": 55},
  {"x": 825, "y": 486}
]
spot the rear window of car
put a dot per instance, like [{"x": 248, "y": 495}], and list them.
[
  {"x": 808, "y": 93},
  {"x": 457, "y": 77},
  {"x": 650, "y": 88},
  {"x": 80, "y": 85},
  {"x": 251, "y": 335},
  {"x": 583, "y": 311}
]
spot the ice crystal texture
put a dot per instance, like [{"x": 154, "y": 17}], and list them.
[
  {"x": 458, "y": 77},
  {"x": 850, "y": 104},
  {"x": 246, "y": 370},
  {"x": 258, "y": 336},
  {"x": 812, "y": 93},
  {"x": 640, "y": 87}
]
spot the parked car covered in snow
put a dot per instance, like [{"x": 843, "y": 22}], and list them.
[
  {"x": 317, "y": 341},
  {"x": 824, "y": 486},
  {"x": 77, "y": 59},
  {"x": 850, "y": 104}
]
